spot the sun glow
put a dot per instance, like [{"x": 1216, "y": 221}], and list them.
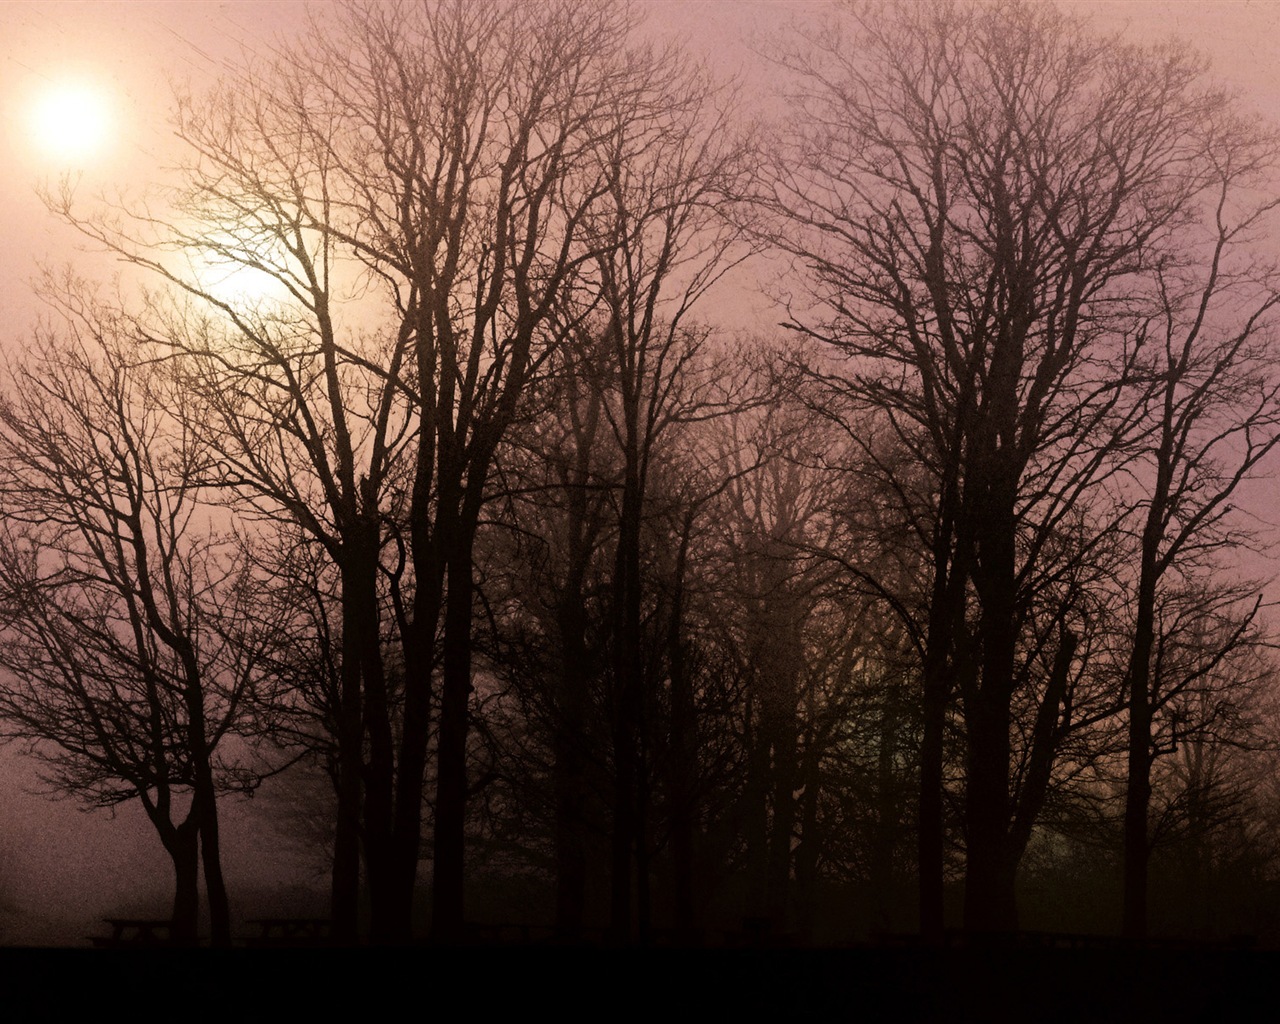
[
  {"x": 235, "y": 281},
  {"x": 72, "y": 121}
]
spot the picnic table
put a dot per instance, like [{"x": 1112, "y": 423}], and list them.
[
  {"x": 290, "y": 931},
  {"x": 135, "y": 931}
]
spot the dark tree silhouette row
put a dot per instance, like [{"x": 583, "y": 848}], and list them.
[{"x": 409, "y": 452}]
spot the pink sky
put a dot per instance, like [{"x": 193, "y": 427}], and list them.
[{"x": 133, "y": 49}]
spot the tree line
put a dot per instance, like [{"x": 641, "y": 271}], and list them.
[{"x": 409, "y": 452}]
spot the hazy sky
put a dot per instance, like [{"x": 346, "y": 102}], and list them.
[{"x": 130, "y": 52}]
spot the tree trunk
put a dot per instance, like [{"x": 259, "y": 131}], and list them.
[
  {"x": 806, "y": 855},
  {"x": 205, "y": 801},
  {"x": 886, "y": 826},
  {"x": 570, "y": 837},
  {"x": 624, "y": 826},
  {"x": 344, "y": 888},
  {"x": 644, "y": 882},
  {"x": 447, "y": 907},
  {"x": 388, "y": 904},
  {"x": 182, "y": 843},
  {"x": 345, "y": 885},
  {"x": 930, "y": 833},
  {"x": 946, "y": 620},
  {"x": 989, "y": 903},
  {"x": 627, "y": 701},
  {"x": 571, "y": 703},
  {"x": 204, "y": 809},
  {"x": 214, "y": 883},
  {"x": 1138, "y": 792},
  {"x": 406, "y": 828},
  {"x": 778, "y": 887},
  {"x": 683, "y": 761}
]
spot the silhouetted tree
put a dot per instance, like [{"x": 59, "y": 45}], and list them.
[
  {"x": 1204, "y": 693},
  {"x": 547, "y": 571},
  {"x": 670, "y": 161},
  {"x": 773, "y": 513},
  {"x": 414, "y": 180},
  {"x": 132, "y": 633},
  {"x": 978, "y": 193},
  {"x": 1215, "y": 411}
]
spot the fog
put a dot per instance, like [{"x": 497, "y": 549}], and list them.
[{"x": 62, "y": 869}]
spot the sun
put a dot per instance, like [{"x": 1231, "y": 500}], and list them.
[{"x": 71, "y": 120}]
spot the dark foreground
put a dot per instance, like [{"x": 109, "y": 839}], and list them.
[{"x": 589, "y": 984}]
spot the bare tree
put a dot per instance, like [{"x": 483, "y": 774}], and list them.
[
  {"x": 1202, "y": 693},
  {"x": 632, "y": 368},
  {"x": 772, "y": 515},
  {"x": 477, "y": 220},
  {"x": 559, "y": 473},
  {"x": 1215, "y": 415},
  {"x": 670, "y": 161},
  {"x": 977, "y": 192},
  {"x": 132, "y": 635},
  {"x": 415, "y": 181}
]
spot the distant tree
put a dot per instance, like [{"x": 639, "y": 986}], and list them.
[
  {"x": 131, "y": 633},
  {"x": 549, "y": 578},
  {"x": 1214, "y": 860},
  {"x": 1205, "y": 695},
  {"x": 670, "y": 162},
  {"x": 771, "y": 516},
  {"x": 631, "y": 370}
]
